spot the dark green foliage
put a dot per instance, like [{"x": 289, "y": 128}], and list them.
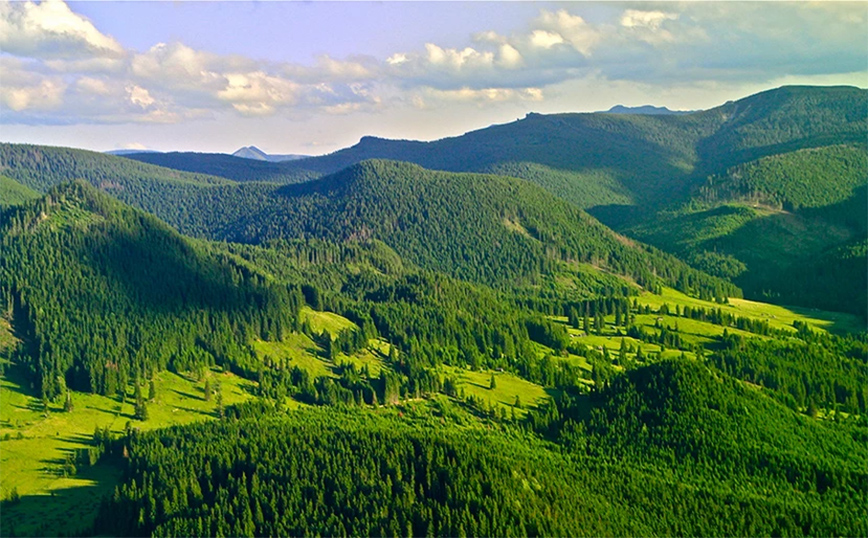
[
  {"x": 358, "y": 473},
  {"x": 679, "y": 415},
  {"x": 815, "y": 177},
  {"x": 225, "y": 166},
  {"x": 826, "y": 370},
  {"x": 105, "y": 294},
  {"x": 483, "y": 228}
]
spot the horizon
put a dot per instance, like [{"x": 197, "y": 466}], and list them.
[
  {"x": 479, "y": 128},
  {"x": 313, "y": 78}
]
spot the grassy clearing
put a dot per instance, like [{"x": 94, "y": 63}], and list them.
[
  {"x": 779, "y": 317},
  {"x": 507, "y": 388},
  {"x": 35, "y": 445},
  {"x": 296, "y": 350},
  {"x": 328, "y": 321},
  {"x": 372, "y": 358}
]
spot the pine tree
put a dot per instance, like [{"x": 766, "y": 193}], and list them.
[
  {"x": 493, "y": 383},
  {"x": 152, "y": 391},
  {"x": 208, "y": 390},
  {"x": 67, "y": 404}
]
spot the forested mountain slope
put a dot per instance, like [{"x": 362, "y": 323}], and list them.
[
  {"x": 600, "y": 159},
  {"x": 484, "y": 228},
  {"x": 666, "y": 449},
  {"x": 795, "y": 154},
  {"x": 783, "y": 227},
  {"x": 104, "y": 294}
]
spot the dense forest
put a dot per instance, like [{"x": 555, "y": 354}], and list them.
[
  {"x": 407, "y": 473},
  {"x": 106, "y": 294},
  {"x": 796, "y": 153},
  {"x": 482, "y": 228}
]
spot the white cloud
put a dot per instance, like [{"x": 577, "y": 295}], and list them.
[
  {"x": 633, "y": 18},
  {"x": 509, "y": 57},
  {"x": 545, "y": 40},
  {"x": 50, "y": 29},
  {"x": 139, "y": 96},
  {"x": 397, "y": 59},
  {"x": 257, "y": 93},
  {"x": 573, "y": 29},
  {"x": 92, "y": 86},
  {"x": 457, "y": 59},
  {"x": 483, "y": 96},
  {"x": 57, "y": 67}
]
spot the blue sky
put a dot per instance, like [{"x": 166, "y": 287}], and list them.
[{"x": 312, "y": 77}]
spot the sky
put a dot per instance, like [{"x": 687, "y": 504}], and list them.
[{"x": 313, "y": 77}]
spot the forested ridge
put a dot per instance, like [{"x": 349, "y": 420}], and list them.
[
  {"x": 106, "y": 294},
  {"x": 796, "y": 149},
  {"x": 408, "y": 473},
  {"x": 483, "y": 228}
]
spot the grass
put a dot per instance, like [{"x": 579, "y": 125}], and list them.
[
  {"x": 295, "y": 350},
  {"x": 320, "y": 321},
  {"x": 779, "y": 317},
  {"x": 32, "y": 456},
  {"x": 507, "y": 387}
]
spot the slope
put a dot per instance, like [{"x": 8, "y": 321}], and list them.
[
  {"x": 618, "y": 159},
  {"x": 780, "y": 226},
  {"x": 13, "y": 193},
  {"x": 87, "y": 278},
  {"x": 484, "y": 228},
  {"x": 794, "y": 155}
]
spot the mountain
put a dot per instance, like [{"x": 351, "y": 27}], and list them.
[
  {"x": 254, "y": 153},
  {"x": 482, "y": 228},
  {"x": 648, "y": 110},
  {"x": 103, "y": 293},
  {"x": 226, "y": 166},
  {"x": 130, "y": 151},
  {"x": 671, "y": 180}
]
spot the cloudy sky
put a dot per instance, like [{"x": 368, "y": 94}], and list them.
[{"x": 312, "y": 77}]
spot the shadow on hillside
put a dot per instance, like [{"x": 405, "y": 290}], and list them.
[{"x": 64, "y": 512}]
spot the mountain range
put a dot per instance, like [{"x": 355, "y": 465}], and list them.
[
  {"x": 652, "y": 176},
  {"x": 533, "y": 329}
]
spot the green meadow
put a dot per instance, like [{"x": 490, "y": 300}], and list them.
[
  {"x": 779, "y": 317},
  {"x": 507, "y": 388}
]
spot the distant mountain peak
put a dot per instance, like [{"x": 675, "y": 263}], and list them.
[
  {"x": 646, "y": 110},
  {"x": 251, "y": 152},
  {"x": 256, "y": 154}
]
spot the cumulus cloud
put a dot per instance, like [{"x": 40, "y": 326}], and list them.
[
  {"x": 56, "y": 66},
  {"x": 50, "y": 29}
]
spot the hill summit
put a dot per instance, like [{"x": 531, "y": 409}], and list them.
[{"x": 256, "y": 154}]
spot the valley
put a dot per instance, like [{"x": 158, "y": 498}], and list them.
[{"x": 633, "y": 325}]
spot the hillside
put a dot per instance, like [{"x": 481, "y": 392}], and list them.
[
  {"x": 86, "y": 277},
  {"x": 779, "y": 226},
  {"x": 795, "y": 156},
  {"x": 235, "y": 168},
  {"x": 652, "y": 160},
  {"x": 13, "y": 193},
  {"x": 485, "y": 228},
  {"x": 482, "y": 228},
  {"x": 450, "y": 477},
  {"x": 416, "y": 376}
]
